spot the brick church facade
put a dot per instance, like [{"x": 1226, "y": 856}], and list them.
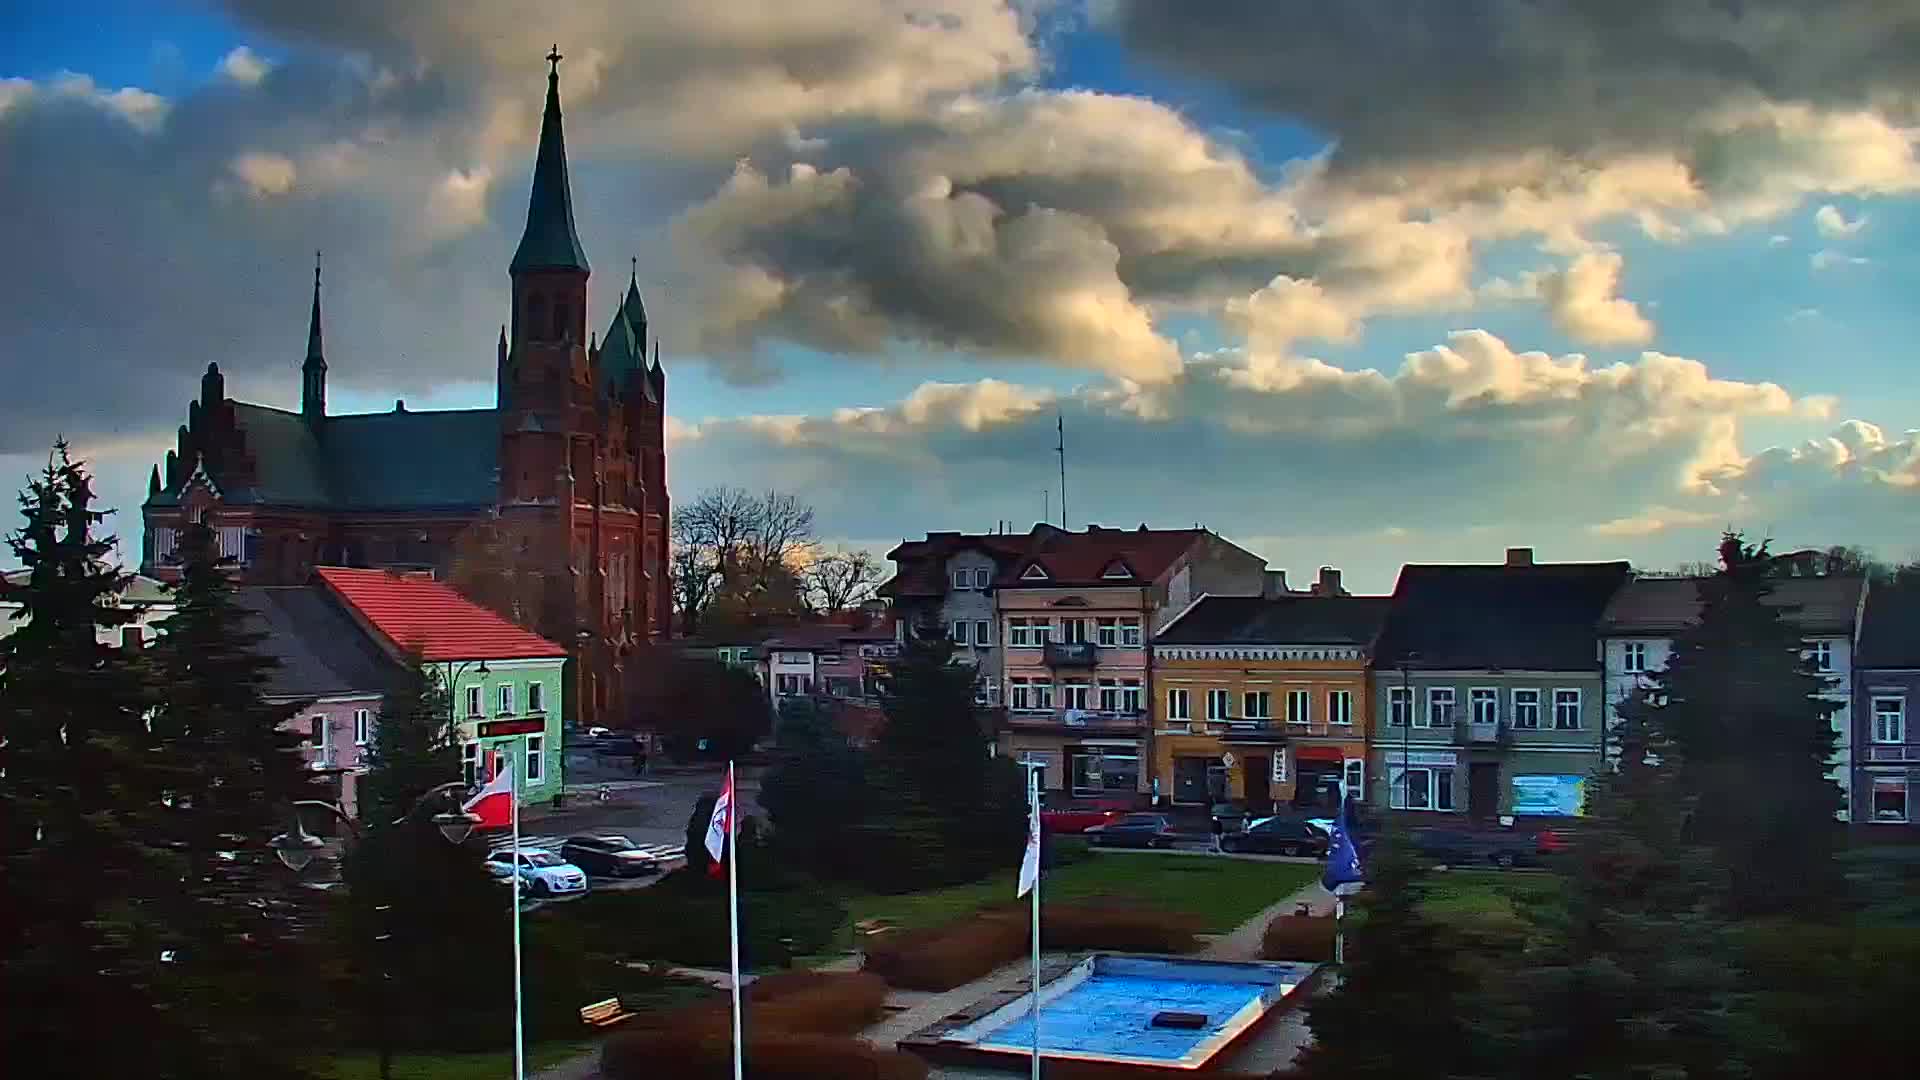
[{"x": 566, "y": 475}]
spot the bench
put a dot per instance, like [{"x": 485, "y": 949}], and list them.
[{"x": 603, "y": 1014}]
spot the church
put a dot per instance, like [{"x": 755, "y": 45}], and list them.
[{"x": 562, "y": 483}]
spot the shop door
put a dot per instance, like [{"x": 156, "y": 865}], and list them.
[
  {"x": 1190, "y": 779},
  {"x": 1259, "y": 773},
  {"x": 1483, "y": 790}
]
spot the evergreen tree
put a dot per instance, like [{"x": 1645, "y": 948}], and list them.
[
  {"x": 1398, "y": 1010},
  {"x": 422, "y": 912},
  {"x": 1746, "y": 713},
  {"x": 83, "y": 862},
  {"x": 944, "y": 809},
  {"x": 1634, "y": 980},
  {"x": 815, "y": 790}
]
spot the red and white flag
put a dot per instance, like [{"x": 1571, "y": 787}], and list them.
[
  {"x": 720, "y": 826},
  {"x": 494, "y": 803}
]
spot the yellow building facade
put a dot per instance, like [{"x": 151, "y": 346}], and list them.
[{"x": 1264, "y": 701}]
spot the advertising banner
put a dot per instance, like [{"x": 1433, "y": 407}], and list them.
[{"x": 1558, "y": 796}]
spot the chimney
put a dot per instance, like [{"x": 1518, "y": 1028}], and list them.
[
  {"x": 1275, "y": 585},
  {"x": 1329, "y": 583},
  {"x": 1520, "y": 556}
]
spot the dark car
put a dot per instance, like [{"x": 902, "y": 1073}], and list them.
[
  {"x": 608, "y": 856},
  {"x": 1470, "y": 847},
  {"x": 1077, "y": 818},
  {"x": 1279, "y": 836},
  {"x": 1133, "y": 830}
]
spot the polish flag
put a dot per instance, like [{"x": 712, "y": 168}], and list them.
[
  {"x": 494, "y": 803},
  {"x": 720, "y": 826}
]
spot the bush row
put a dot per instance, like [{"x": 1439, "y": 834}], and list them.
[
  {"x": 1306, "y": 938},
  {"x": 955, "y": 953},
  {"x": 683, "y": 920}
]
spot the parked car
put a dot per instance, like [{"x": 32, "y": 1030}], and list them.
[
  {"x": 541, "y": 872},
  {"x": 1077, "y": 818},
  {"x": 608, "y": 856},
  {"x": 1133, "y": 830},
  {"x": 1503, "y": 848},
  {"x": 615, "y": 744},
  {"x": 1231, "y": 818},
  {"x": 1279, "y": 836}
]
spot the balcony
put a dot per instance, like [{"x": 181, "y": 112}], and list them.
[
  {"x": 1481, "y": 733},
  {"x": 1269, "y": 732},
  {"x": 1075, "y": 721},
  {"x": 1071, "y": 654},
  {"x": 1893, "y": 753}
]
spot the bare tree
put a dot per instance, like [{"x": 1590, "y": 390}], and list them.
[
  {"x": 781, "y": 532},
  {"x": 693, "y": 568},
  {"x": 739, "y": 551},
  {"x": 837, "y": 580}
]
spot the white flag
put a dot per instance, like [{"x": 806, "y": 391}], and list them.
[
  {"x": 1030, "y": 862},
  {"x": 717, "y": 826}
]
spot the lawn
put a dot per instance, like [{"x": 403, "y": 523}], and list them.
[
  {"x": 1486, "y": 897},
  {"x": 1222, "y": 893},
  {"x": 455, "y": 1066}
]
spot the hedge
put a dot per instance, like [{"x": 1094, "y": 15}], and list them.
[
  {"x": 798, "y": 1026},
  {"x": 956, "y": 953},
  {"x": 1298, "y": 937},
  {"x": 682, "y": 919}
]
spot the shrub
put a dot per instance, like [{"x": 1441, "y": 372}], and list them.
[
  {"x": 1298, "y": 937},
  {"x": 1122, "y": 929},
  {"x": 683, "y": 919},
  {"x": 770, "y": 1055},
  {"x": 956, "y": 953}
]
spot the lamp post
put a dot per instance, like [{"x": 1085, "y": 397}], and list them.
[
  {"x": 1406, "y": 734},
  {"x": 297, "y": 850},
  {"x": 453, "y": 706}
]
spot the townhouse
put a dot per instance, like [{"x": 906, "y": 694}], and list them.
[
  {"x": 1265, "y": 700},
  {"x": 1641, "y": 621},
  {"x": 827, "y": 660},
  {"x": 145, "y": 600},
  {"x": 1886, "y": 765},
  {"x": 1077, "y": 612},
  {"x": 1488, "y": 687},
  {"x": 946, "y": 580}
]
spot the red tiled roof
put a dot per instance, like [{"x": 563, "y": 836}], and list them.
[
  {"x": 416, "y": 612},
  {"x": 922, "y": 563},
  {"x": 1083, "y": 558}
]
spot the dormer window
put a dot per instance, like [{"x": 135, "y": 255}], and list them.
[
  {"x": 1117, "y": 570},
  {"x": 1033, "y": 573}
]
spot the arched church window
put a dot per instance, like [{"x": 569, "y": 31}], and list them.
[
  {"x": 560, "y": 321},
  {"x": 536, "y": 313}
]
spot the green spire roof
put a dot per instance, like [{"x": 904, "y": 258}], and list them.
[
  {"x": 625, "y": 349},
  {"x": 315, "y": 355},
  {"x": 550, "y": 242}
]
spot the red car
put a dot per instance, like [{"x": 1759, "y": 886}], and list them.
[{"x": 1076, "y": 819}]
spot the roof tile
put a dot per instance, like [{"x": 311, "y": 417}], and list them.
[{"x": 418, "y": 613}]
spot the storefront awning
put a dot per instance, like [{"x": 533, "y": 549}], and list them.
[{"x": 1319, "y": 753}]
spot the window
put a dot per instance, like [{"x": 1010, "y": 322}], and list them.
[
  {"x": 982, "y": 632},
  {"x": 1177, "y": 705},
  {"x": 1108, "y": 633},
  {"x": 1420, "y": 788},
  {"x": 1299, "y": 707},
  {"x": 1130, "y": 633},
  {"x": 470, "y": 762},
  {"x": 1339, "y": 706},
  {"x": 786, "y": 685},
  {"x": 536, "y": 753},
  {"x": 1889, "y": 719},
  {"x": 1822, "y": 656},
  {"x": 536, "y": 697},
  {"x": 1566, "y": 710},
  {"x": 1526, "y": 709},
  {"x": 1399, "y": 705},
  {"x": 317, "y": 737},
  {"x": 1117, "y": 570},
  {"x": 1439, "y": 707},
  {"x": 1109, "y": 695},
  {"x": 1074, "y": 694},
  {"x": 1219, "y": 704},
  {"x": 980, "y": 576},
  {"x": 1259, "y": 705},
  {"x": 506, "y": 699},
  {"x": 959, "y": 633},
  {"x": 1073, "y": 631},
  {"x": 1042, "y": 632},
  {"x": 1130, "y": 695},
  {"x": 1020, "y": 694},
  {"x": 1019, "y": 633},
  {"x": 1889, "y": 799},
  {"x": 362, "y": 726},
  {"x": 1036, "y": 572},
  {"x": 1279, "y": 765},
  {"x": 1633, "y": 657},
  {"x": 1043, "y": 696},
  {"x": 962, "y": 579},
  {"x": 473, "y": 701},
  {"x": 1356, "y": 779},
  {"x": 1485, "y": 704}
]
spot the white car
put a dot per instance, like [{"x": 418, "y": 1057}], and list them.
[{"x": 541, "y": 872}]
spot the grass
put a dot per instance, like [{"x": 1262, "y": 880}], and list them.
[
  {"x": 1486, "y": 897},
  {"x": 1221, "y": 893},
  {"x": 490, "y": 1066}
]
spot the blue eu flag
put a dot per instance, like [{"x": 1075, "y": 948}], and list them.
[{"x": 1343, "y": 859}]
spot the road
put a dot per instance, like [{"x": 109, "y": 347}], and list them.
[{"x": 653, "y": 810}]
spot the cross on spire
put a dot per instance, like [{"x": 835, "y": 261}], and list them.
[
  {"x": 554, "y": 58},
  {"x": 634, "y": 275},
  {"x": 316, "y": 269}
]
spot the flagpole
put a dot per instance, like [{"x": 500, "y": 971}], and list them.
[
  {"x": 519, "y": 1032},
  {"x": 1033, "y": 807},
  {"x": 733, "y": 916}
]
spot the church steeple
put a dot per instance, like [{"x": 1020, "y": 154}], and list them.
[
  {"x": 550, "y": 242},
  {"x": 313, "y": 373}
]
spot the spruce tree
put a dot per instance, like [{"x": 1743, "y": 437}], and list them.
[
  {"x": 1747, "y": 715},
  {"x": 84, "y": 867},
  {"x": 1398, "y": 1009},
  {"x": 815, "y": 790},
  {"x": 427, "y": 929},
  {"x": 233, "y": 771}
]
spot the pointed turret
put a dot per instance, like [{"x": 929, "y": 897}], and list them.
[
  {"x": 550, "y": 242},
  {"x": 624, "y": 350},
  {"x": 153, "y": 482},
  {"x": 313, "y": 373}
]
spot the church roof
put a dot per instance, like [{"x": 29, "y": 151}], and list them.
[
  {"x": 368, "y": 461},
  {"x": 625, "y": 348},
  {"x": 550, "y": 241}
]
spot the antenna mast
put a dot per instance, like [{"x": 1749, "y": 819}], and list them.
[{"x": 1060, "y": 422}]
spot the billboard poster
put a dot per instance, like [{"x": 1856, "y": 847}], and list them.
[{"x": 1546, "y": 795}]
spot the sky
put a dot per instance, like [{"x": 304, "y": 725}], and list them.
[{"x": 1352, "y": 284}]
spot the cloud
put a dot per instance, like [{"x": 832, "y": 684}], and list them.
[
  {"x": 1581, "y": 300},
  {"x": 264, "y": 174},
  {"x": 1829, "y": 259},
  {"x": 1833, "y": 224},
  {"x": 244, "y": 66}
]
